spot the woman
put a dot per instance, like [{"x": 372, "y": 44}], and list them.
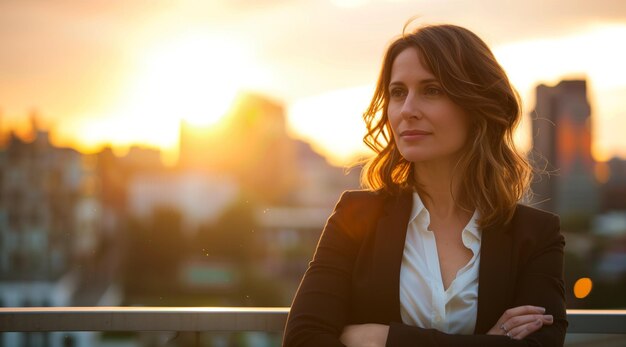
[{"x": 437, "y": 251}]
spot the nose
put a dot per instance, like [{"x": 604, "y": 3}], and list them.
[{"x": 410, "y": 108}]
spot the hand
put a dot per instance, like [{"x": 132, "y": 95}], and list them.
[
  {"x": 365, "y": 335},
  {"x": 521, "y": 321}
]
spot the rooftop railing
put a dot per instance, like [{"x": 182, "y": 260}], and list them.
[{"x": 213, "y": 319}]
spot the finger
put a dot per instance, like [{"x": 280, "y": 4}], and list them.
[
  {"x": 346, "y": 334},
  {"x": 500, "y": 328},
  {"x": 519, "y": 311},
  {"x": 521, "y": 320},
  {"x": 524, "y": 330},
  {"x": 526, "y": 309}
]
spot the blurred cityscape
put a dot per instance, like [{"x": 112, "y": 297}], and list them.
[{"x": 236, "y": 220}]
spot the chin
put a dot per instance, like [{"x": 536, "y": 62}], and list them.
[
  {"x": 415, "y": 156},
  {"x": 429, "y": 158}
]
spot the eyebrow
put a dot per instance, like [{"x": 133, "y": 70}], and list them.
[{"x": 425, "y": 81}]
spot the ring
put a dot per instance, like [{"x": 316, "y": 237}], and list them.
[
  {"x": 508, "y": 333},
  {"x": 504, "y": 329}
]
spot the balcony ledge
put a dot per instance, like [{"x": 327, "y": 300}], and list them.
[{"x": 268, "y": 319}]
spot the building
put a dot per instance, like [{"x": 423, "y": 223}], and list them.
[
  {"x": 614, "y": 187},
  {"x": 199, "y": 197},
  {"x": 561, "y": 129},
  {"x": 250, "y": 144},
  {"x": 49, "y": 233}
]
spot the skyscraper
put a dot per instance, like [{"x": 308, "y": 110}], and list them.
[
  {"x": 561, "y": 128},
  {"x": 251, "y": 144}
]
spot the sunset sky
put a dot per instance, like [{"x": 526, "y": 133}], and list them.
[{"x": 127, "y": 71}]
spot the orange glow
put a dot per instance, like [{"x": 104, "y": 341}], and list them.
[
  {"x": 602, "y": 172},
  {"x": 187, "y": 79},
  {"x": 582, "y": 287},
  {"x": 192, "y": 77},
  {"x": 334, "y": 121},
  {"x": 133, "y": 81}
]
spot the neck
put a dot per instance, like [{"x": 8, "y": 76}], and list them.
[{"x": 438, "y": 186}]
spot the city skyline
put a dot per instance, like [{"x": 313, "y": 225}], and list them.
[{"x": 97, "y": 75}]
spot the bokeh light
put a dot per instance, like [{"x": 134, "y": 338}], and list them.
[{"x": 582, "y": 287}]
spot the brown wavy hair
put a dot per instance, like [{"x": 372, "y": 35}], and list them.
[{"x": 495, "y": 176}]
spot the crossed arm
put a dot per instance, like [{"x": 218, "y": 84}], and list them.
[{"x": 515, "y": 323}]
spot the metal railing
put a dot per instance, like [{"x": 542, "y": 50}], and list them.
[{"x": 214, "y": 319}]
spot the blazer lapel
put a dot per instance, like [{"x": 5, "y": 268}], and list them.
[
  {"x": 494, "y": 277},
  {"x": 389, "y": 245}
]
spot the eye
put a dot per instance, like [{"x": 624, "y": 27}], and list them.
[
  {"x": 433, "y": 91},
  {"x": 397, "y": 92}
]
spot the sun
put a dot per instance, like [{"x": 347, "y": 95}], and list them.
[
  {"x": 194, "y": 78},
  {"x": 191, "y": 77}
]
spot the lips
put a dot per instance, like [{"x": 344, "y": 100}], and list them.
[{"x": 414, "y": 132}]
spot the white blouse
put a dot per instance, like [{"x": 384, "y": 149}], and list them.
[{"x": 423, "y": 301}]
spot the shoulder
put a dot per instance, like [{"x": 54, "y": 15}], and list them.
[
  {"x": 362, "y": 198},
  {"x": 533, "y": 225},
  {"x": 358, "y": 210},
  {"x": 360, "y": 202},
  {"x": 526, "y": 215}
]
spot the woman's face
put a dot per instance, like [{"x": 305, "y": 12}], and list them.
[{"x": 426, "y": 125}]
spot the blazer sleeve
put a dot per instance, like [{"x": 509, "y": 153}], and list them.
[
  {"x": 540, "y": 283},
  {"x": 320, "y": 307}
]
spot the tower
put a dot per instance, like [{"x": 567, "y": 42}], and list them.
[{"x": 562, "y": 141}]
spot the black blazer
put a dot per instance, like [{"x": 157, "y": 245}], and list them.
[{"x": 354, "y": 276}]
